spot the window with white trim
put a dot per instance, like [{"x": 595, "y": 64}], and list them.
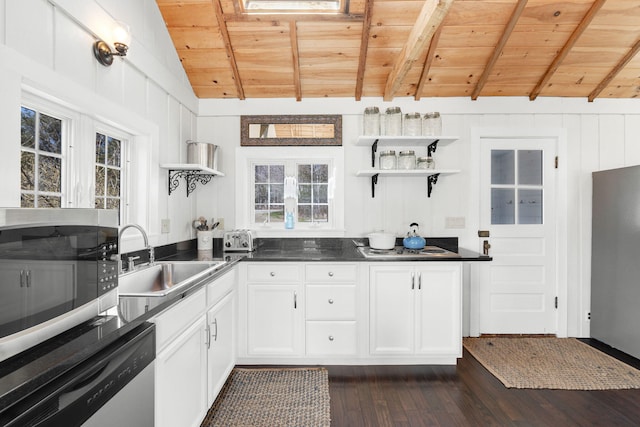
[
  {"x": 110, "y": 157},
  {"x": 305, "y": 185},
  {"x": 54, "y": 170},
  {"x": 43, "y": 145},
  {"x": 300, "y": 188}
]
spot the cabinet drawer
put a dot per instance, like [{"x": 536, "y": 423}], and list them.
[
  {"x": 220, "y": 287},
  {"x": 331, "y": 302},
  {"x": 171, "y": 322},
  {"x": 273, "y": 273},
  {"x": 331, "y": 338},
  {"x": 331, "y": 273}
]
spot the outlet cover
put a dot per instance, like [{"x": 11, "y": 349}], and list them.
[
  {"x": 221, "y": 225},
  {"x": 455, "y": 222},
  {"x": 165, "y": 225}
]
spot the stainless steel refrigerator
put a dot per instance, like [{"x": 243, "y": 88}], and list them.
[{"x": 615, "y": 259}]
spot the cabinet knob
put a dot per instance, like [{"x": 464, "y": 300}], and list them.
[
  {"x": 331, "y": 274},
  {"x": 330, "y": 337},
  {"x": 272, "y": 274},
  {"x": 330, "y": 300}
]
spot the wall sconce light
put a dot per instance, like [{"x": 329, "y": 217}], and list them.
[{"x": 121, "y": 40}]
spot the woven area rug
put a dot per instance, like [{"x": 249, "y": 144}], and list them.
[
  {"x": 551, "y": 363},
  {"x": 272, "y": 398}
]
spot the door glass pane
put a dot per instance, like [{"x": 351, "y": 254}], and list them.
[
  {"x": 530, "y": 167},
  {"x": 502, "y": 167},
  {"x": 502, "y": 206},
  {"x": 530, "y": 207}
]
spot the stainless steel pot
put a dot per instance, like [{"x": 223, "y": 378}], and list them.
[{"x": 202, "y": 153}]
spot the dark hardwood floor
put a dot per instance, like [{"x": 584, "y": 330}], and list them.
[{"x": 466, "y": 395}]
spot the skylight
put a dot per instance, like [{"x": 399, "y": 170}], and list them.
[{"x": 293, "y": 6}]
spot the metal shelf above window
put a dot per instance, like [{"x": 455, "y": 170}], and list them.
[
  {"x": 192, "y": 174},
  {"x": 431, "y": 175}
]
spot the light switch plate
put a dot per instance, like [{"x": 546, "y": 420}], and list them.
[
  {"x": 165, "y": 225},
  {"x": 454, "y": 222}
]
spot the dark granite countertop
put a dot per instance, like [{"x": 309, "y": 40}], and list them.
[
  {"x": 345, "y": 249},
  {"x": 28, "y": 371}
]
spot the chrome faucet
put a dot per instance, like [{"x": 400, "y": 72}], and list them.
[{"x": 152, "y": 256}]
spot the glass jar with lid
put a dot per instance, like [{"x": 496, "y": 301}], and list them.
[
  {"x": 432, "y": 124},
  {"x": 407, "y": 160},
  {"x": 426, "y": 163},
  {"x": 371, "y": 121},
  {"x": 393, "y": 121},
  {"x": 387, "y": 160},
  {"x": 412, "y": 124}
]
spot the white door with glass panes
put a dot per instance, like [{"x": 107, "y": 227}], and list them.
[{"x": 518, "y": 289}]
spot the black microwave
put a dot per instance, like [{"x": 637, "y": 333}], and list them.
[{"x": 57, "y": 269}]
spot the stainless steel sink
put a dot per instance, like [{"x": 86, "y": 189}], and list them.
[{"x": 163, "y": 278}]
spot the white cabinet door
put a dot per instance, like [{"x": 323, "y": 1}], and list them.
[
  {"x": 438, "y": 309},
  {"x": 392, "y": 320},
  {"x": 181, "y": 379},
  {"x": 415, "y": 309},
  {"x": 274, "y": 324},
  {"x": 221, "y": 354}
]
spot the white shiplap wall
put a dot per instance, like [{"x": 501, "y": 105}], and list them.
[
  {"x": 46, "y": 48},
  {"x": 600, "y": 135}
]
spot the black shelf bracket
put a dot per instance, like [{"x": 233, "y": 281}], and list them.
[
  {"x": 374, "y": 148},
  {"x": 431, "y": 181},
  {"x": 192, "y": 177},
  {"x": 431, "y": 148},
  {"x": 374, "y": 181}
]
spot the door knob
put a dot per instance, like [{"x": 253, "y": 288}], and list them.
[{"x": 485, "y": 248}]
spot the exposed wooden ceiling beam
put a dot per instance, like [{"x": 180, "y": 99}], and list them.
[
  {"x": 364, "y": 47},
  {"x": 227, "y": 45},
  {"x": 555, "y": 64},
  {"x": 431, "y": 16},
  {"x": 517, "y": 11},
  {"x": 604, "y": 83},
  {"x": 427, "y": 64},
  {"x": 295, "y": 53}
]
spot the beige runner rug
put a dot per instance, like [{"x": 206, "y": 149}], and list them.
[
  {"x": 551, "y": 363},
  {"x": 275, "y": 397}
]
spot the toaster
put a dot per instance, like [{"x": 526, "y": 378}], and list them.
[{"x": 239, "y": 241}]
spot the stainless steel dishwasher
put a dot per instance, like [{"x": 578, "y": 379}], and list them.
[{"x": 114, "y": 387}]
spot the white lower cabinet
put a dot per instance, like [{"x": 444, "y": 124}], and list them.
[
  {"x": 346, "y": 313},
  {"x": 195, "y": 344},
  {"x": 221, "y": 345},
  {"x": 274, "y": 323},
  {"x": 181, "y": 381},
  {"x": 415, "y": 309},
  {"x": 294, "y": 310}
]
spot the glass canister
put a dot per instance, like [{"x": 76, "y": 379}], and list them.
[
  {"x": 387, "y": 159},
  {"x": 426, "y": 163},
  {"x": 371, "y": 121},
  {"x": 407, "y": 160},
  {"x": 393, "y": 121},
  {"x": 432, "y": 124},
  {"x": 412, "y": 124}
]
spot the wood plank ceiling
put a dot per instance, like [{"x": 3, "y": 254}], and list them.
[{"x": 415, "y": 48}]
